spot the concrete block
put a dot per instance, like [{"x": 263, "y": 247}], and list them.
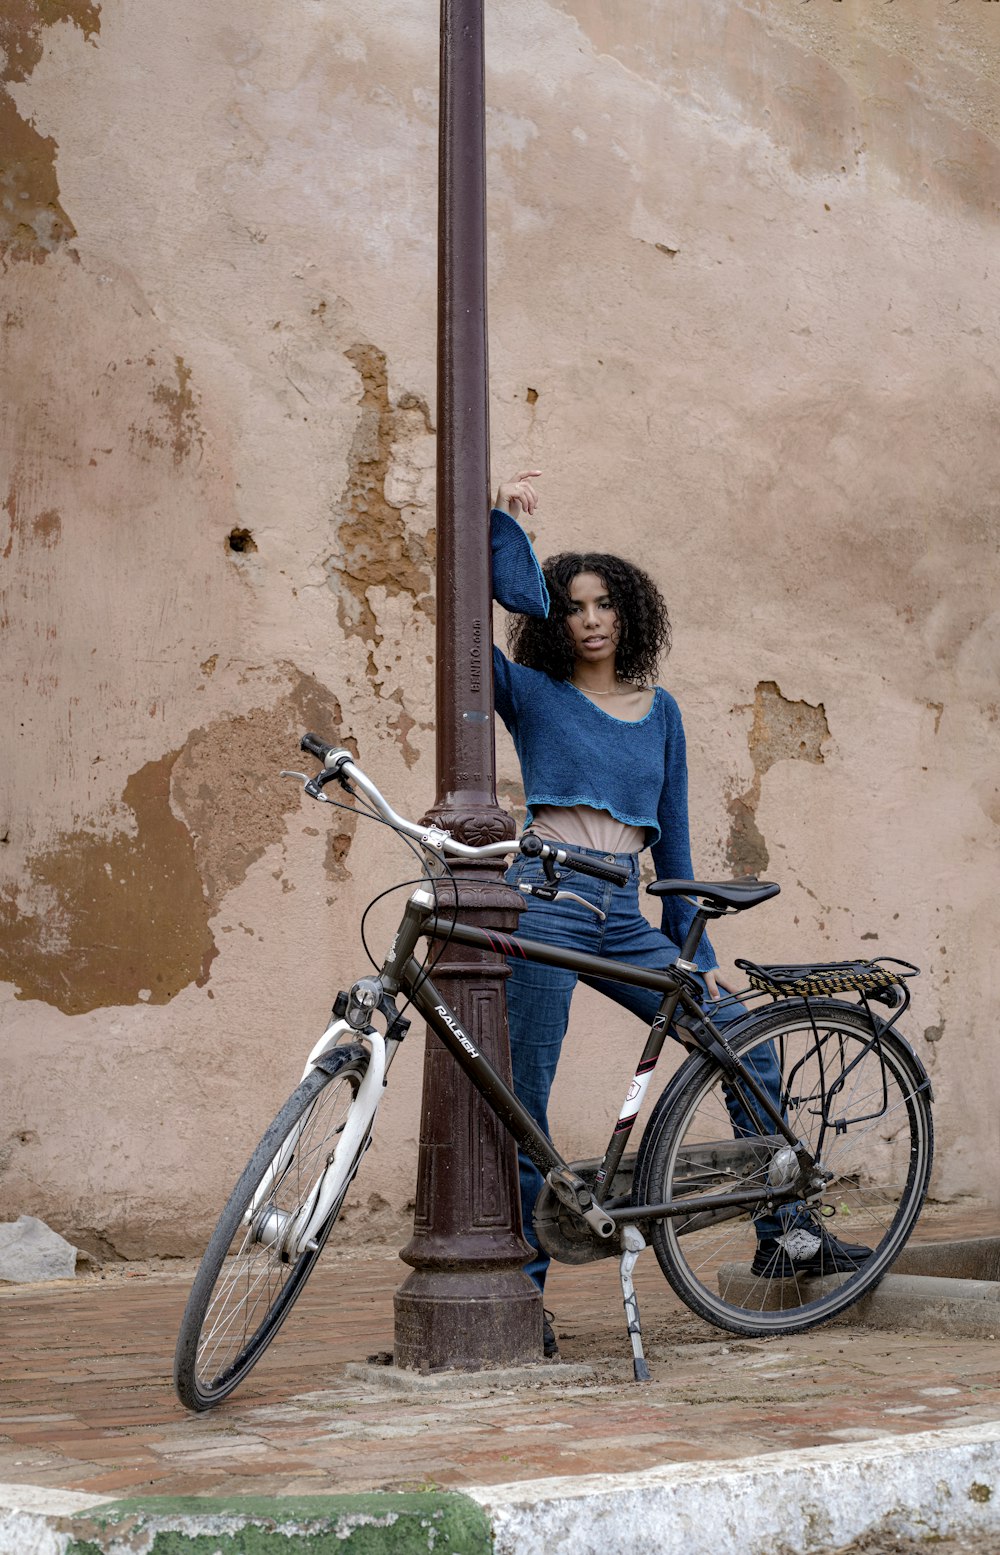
[
  {"x": 915, "y": 1303},
  {"x": 30, "y": 1251},
  {"x": 397, "y": 1379},
  {"x": 910, "y": 1303},
  {"x": 972, "y": 1258}
]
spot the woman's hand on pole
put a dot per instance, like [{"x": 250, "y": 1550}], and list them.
[{"x": 518, "y": 495}]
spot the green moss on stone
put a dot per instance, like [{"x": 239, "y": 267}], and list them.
[{"x": 381, "y": 1523}]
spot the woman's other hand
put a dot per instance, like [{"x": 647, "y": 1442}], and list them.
[
  {"x": 518, "y": 495},
  {"x": 714, "y": 981}
]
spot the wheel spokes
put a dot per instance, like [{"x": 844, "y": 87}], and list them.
[{"x": 257, "y": 1278}]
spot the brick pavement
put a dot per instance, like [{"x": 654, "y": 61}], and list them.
[{"x": 86, "y": 1402}]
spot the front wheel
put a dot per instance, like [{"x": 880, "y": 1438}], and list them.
[
  {"x": 247, "y": 1284},
  {"x": 861, "y": 1105}
]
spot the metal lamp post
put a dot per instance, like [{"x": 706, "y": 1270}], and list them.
[{"x": 467, "y": 1301}]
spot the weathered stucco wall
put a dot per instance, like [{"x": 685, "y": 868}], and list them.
[{"x": 743, "y": 312}]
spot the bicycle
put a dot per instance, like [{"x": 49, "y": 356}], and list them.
[{"x": 851, "y": 1139}]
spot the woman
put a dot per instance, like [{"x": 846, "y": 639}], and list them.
[{"x": 602, "y": 756}]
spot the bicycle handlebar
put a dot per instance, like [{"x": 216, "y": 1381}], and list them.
[
  {"x": 340, "y": 765},
  {"x": 314, "y": 745},
  {"x": 602, "y": 869}
]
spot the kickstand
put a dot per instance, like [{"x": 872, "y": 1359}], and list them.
[{"x": 634, "y": 1244}]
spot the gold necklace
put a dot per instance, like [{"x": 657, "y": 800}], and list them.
[{"x": 628, "y": 691}]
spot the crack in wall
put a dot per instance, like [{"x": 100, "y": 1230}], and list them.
[
  {"x": 376, "y": 549},
  {"x": 781, "y": 731},
  {"x": 33, "y": 222}
]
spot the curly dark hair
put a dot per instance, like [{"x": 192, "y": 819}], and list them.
[{"x": 643, "y": 624}]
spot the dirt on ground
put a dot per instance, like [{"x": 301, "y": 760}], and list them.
[{"x": 889, "y": 1544}]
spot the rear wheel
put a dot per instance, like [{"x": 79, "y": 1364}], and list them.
[
  {"x": 862, "y": 1106},
  {"x": 246, "y": 1284}
]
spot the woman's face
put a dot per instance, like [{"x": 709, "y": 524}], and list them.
[{"x": 592, "y": 621}]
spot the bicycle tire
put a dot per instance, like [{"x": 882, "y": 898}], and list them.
[
  {"x": 881, "y": 1164},
  {"x": 215, "y": 1351}
]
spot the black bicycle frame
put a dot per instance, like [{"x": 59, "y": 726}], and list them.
[{"x": 415, "y": 983}]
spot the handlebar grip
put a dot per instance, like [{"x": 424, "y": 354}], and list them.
[
  {"x": 616, "y": 873},
  {"x": 534, "y": 847},
  {"x": 315, "y": 746}
]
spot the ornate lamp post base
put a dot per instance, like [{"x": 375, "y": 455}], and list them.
[
  {"x": 468, "y": 1302},
  {"x": 470, "y": 1320}
]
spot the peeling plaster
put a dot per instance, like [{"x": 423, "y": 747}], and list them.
[
  {"x": 111, "y": 920},
  {"x": 402, "y": 726},
  {"x": 228, "y": 788},
  {"x": 100, "y": 921},
  {"x": 45, "y": 528},
  {"x": 32, "y": 221},
  {"x": 178, "y": 406},
  {"x": 510, "y": 794},
  {"x": 178, "y": 409},
  {"x": 338, "y": 845},
  {"x": 781, "y": 731},
  {"x": 376, "y": 549}
]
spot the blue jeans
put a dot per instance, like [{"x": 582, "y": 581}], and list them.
[{"x": 538, "y": 1000}]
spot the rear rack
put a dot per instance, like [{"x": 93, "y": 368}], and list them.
[{"x": 870, "y": 978}]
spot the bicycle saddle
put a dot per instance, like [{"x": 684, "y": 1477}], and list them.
[{"x": 723, "y": 895}]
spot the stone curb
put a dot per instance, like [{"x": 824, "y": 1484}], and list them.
[
  {"x": 34, "y": 1522},
  {"x": 806, "y": 1502}
]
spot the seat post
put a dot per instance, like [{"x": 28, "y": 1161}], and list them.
[{"x": 693, "y": 937}]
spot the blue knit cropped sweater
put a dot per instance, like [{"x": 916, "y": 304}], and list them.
[{"x": 574, "y": 753}]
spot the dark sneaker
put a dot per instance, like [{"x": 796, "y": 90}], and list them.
[
  {"x": 807, "y": 1251},
  {"x": 550, "y": 1344}
]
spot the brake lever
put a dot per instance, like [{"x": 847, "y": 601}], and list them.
[
  {"x": 307, "y": 783},
  {"x": 571, "y": 896},
  {"x": 547, "y": 895}
]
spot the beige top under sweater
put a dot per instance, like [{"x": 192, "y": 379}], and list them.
[{"x": 580, "y": 826}]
